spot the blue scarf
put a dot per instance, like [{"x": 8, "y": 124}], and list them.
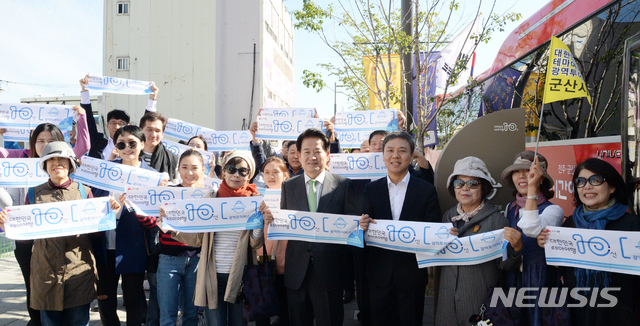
[{"x": 595, "y": 220}]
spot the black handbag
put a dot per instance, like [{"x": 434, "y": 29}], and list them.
[{"x": 258, "y": 293}]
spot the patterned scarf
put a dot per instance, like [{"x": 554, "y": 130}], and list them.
[{"x": 466, "y": 216}]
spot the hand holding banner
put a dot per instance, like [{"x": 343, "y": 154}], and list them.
[
  {"x": 149, "y": 199},
  {"x": 119, "y": 85},
  {"x": 315, "y": 227},
  {"x": 21, "y": 173},
  {"x": 59, "y": 219},
  {"x": 112, "y": 176},
  {"x": 29, "y": 116},
  {"x": 213, "y": 214},
  {"x": 285, "y": 128},
  {"x": 364, "y": 166},
  {"x": 183, "y": 130},
  {"x": 610, "y": 251},
  {"x": 17, "y": 134},
  {"x": 288, "y": 112},
  {"x": 471, "y": 250},
  {"x": 413, "y": 237}
]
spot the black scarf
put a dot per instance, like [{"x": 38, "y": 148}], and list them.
[{"x": 163, "y": 160}]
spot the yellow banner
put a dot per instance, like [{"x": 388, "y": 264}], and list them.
[
  {"x": 377, "y": 75},
  {"x": 564, "y": 79},
  {"x": 528, "y": 102}
]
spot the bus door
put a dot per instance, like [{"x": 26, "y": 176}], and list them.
[{"x": 631, "y": 121}]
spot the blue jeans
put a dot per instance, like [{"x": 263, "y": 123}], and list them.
[
  {"x": 153, "y": 311},
  {"x": 226, "y": 310},
  {"x": 177, "y": 276},
  {"x": 76, "y": 316}
]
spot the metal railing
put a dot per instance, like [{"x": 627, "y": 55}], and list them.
[{"x": 6, "y": 246}]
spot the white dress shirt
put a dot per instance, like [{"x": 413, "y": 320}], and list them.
[
  {"x": 319, "y": 182},
  {"x": 397, "y": 192}
]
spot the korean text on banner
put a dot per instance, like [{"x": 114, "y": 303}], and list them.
[
  {"x": 213, "y": 214},
  {"x": 413, "y": 237},
  {"x": 471, "y": 250},
  {"x": 367, "y": 166},
  {"x": 112, "y": 176},
  {"x": 183, "y": 130},
  {"x": 149, "y": 199},
  {"x": 178, "y": 149},
  {"x": 610, "y": 251},
  {"x": 564, "y": 79},
  {"x": 59, "y": 219},
  {"x": 272, "y": 198},
  {"x": 29, "y": 116},
  {"x": 288, "y": 112},
  {"x": 21, "y": 172},
  {"x": 227, "y": 140},
  {"x": 119, "y": 85},
  {"x": 285, "y": 128},
  {"x": 366, "y": 120},
  {"x": 316, "y": 227},
  {"x": 16, "y": 134}
]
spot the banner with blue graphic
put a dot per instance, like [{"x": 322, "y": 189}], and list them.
[
  {"x": 471, "y": 250},
  {"x": 610, "y": 251},
  {"x": 213, "y": 214},
  {"x": 29, "y": 116},
  {"x": 278, "y": 128},
  {"x": 17, "y": 134},
  {"x": 119, "y": 85},
  {"x": 413, "y": 237},
  {"x": 21, "y": 173},
  {"x": 354, "y": 127},
  {"x": 149, "y": 199},
  {"x": 112, "y": 176},
  {"x": 315, "y": 227},
  {"x": 272, "y": 197},
  {"x": 288, "y": 112},
  {"x": 178, "y": 149},
  {"x": 59, "y": 219},
  {"x": 183, "y": 130},
  {"x": 369, "y": 166},
  {"x": 212, "y": 183},
  {"x": 352, "y": 139},
  {"x": 227, "y": 140}
]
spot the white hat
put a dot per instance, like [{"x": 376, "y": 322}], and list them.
[
  {"x": 470, "y": 166},
  {"x": 245, "y": 155},
  {"x": 58, "y": 149}
]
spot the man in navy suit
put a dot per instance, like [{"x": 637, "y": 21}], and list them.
[{"x": 396, "y": 284}]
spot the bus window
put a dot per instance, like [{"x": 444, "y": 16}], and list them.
[{"x": 632, "y": 72}]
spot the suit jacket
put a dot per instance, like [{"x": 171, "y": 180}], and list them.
[
  {"x": 420, "y": 205},
  {"x": 329, "y": 260}
]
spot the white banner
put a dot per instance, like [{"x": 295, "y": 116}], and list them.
[
  {"x": 213, "y": 214},
  {"x": 227, "y": 140},
  {"x": 21, "y": 173},
  {"x": 119, "y": 85},
  {"x": 368, "y": 166},
  {"x": 288, "y": 112},
  {"x": 59, "y": 219},
  {"x": 471, "y": 250},
  {"x": 316, "y": 227},
  {"x": 183, "y": 130},
  {"x": 178, "y": 149},
  {"x": 29, "y": 116},
  {"x": 366, "y": 120},
  {"x": 413, "y": 237},
  {"x": 611, "y": 251},
  {"x": 149, "y": 199},
  {"x": 112, "y": 176},
  {"x": 272, "y": 198},
  {"x": 212, "y": 183},
  {"x": 285, "y": 128},
  {"x": 17, "y": 134},
  {"x": 352, "y": 139}
]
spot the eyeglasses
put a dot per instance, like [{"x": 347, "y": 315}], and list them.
[
  {"x": 132, "y": 144},
  {"x": 594, "y": 180},
  {"x": 117, "y": 123},
  {"x": 232, "y": 169},
  {"x": 472, "y": 184}
]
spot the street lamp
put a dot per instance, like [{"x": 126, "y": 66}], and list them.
[{"x": 335, "y": 92}]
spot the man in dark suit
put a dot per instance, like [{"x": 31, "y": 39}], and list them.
[
  {"x": 314, "y": 272},
  {"x": 396, "y": 284}
]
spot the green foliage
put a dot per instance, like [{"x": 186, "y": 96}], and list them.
[{"x": 313, "y": 80}]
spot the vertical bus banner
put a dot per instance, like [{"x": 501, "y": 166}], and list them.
[
  {"x": 59, "y": 219},
  {"x": 183, "y": 130},
  {"x": 178, "y": 149},
  {"x": 316, "y": 227},
  {"x": 361, "y": 166},
  {"x": 149, "y": 199},
  {"x": 227, "y": 140},
  {"x": 288, "y": 112},
  {"x": 29, "y": 116},
  {"x": 213, "y": 214},
  {"x": 601, "y": 250},
  {"x": 21, "y": 173},
  {"x": 278, "y": 128},
  {"x": 366, "y": 120},
  {"x": 471, "y": 250},
  {"x": 413, "y": 237},
  {"x": 112, "y": 176},
  {"x": 119, "y": 85},
  {"x": 17, "y": 134}
]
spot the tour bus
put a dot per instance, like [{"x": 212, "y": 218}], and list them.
[{"x": 604, "y": 37}]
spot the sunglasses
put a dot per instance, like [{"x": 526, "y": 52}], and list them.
[
  {"x": 594, "y": 180},
  {"x": 122, "y": 145},
  {"x": 472, "y": 184},
  {"x": 232, "y": 169}
]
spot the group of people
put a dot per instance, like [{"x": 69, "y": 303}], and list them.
[{"x": 193, "y": 272}]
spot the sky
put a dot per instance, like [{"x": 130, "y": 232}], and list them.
[{"x": 49, "y": 45}]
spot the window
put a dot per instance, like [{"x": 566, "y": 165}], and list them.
[
  {"x": 123, "y": 8},
  {"x": 122, "y": 63}
]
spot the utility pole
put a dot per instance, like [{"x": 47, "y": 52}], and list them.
[{"x": 407, "y": 23}]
